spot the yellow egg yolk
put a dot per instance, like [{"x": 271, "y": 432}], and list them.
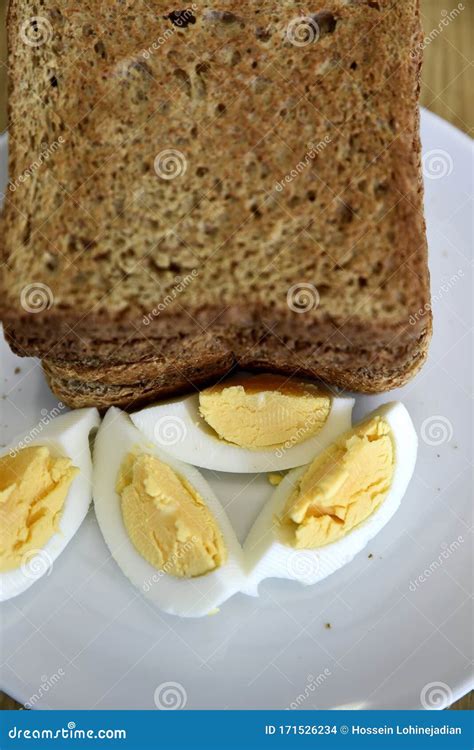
[
  {"x": 33, "y": 488},
  {"x": 340, "y": 488},
  {"x": 167, "y": 521},
  {"x": 264, "y": 411},
  {"x": 275, "y": 478}
]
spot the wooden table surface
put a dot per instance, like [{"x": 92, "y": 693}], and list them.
[{"x": 446, "y": 90}]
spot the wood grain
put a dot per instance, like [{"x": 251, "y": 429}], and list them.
[
  {"x": 447, "y": 67},
  {"x": 446, "y": 90}
]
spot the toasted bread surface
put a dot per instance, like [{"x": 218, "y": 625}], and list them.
[{"x": 218, "y": 188}]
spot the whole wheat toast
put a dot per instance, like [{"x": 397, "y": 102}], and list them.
[{"x": 219, "y": 187}]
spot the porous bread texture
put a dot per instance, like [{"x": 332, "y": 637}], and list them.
[{"x": 164, "y": 283}]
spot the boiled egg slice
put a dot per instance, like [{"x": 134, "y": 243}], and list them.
[
  {"x": 322, "y": 515},
  {"x": 162, "y": 523},
  {"x": 248, "y": 424},
  {"x": 45, "y": 493}
]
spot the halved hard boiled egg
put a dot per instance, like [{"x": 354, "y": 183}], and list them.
[
  {"x": 162, "y": 522},
  {"x": 322, "y": 515},
  {"x": 45, "y": 493},
  {"x": 248, "y": 424}
]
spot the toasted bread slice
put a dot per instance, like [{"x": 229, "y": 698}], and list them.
[{"x": 216, "y": 188}]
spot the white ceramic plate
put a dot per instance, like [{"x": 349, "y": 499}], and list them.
[{"x": 84, "y": 638}]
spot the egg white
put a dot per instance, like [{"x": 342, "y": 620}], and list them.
[
  {"x": 178, "y": 429},
  {"x": 187, "y": 597},
  {"x": 267, "y": 557},
  {"x": 68, "y": 436}
]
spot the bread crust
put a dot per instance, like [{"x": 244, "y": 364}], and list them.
[{"x": 104, "y": 386}]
